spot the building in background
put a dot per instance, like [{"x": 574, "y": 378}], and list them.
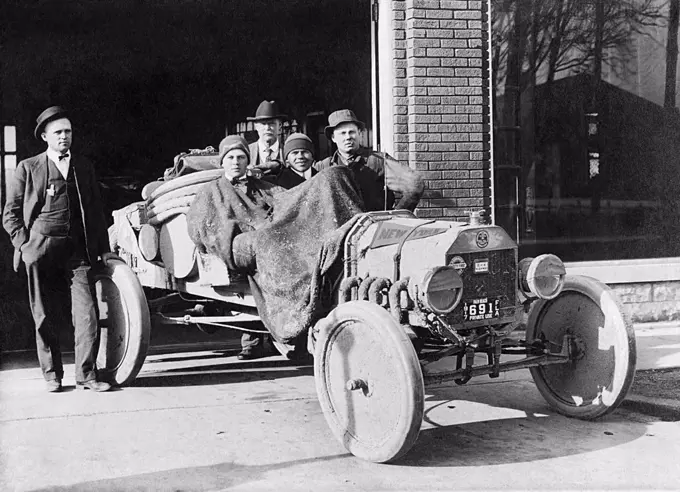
[
  {"x": 586, "y": 151},
  {"x": 546, "y": 114}
]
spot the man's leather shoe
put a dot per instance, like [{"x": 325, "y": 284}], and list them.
[
  {"x": 98, "y": 386},
  {"x": 54, "y": 386},
  {"x": 250, "y": 353}
]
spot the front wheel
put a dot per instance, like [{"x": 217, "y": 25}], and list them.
[
  {"x": 597, "y": 378},
  {"x": 124, "y": 321},
  {"x": 369, "y": 381}
]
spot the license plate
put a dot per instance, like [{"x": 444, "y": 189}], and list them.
[
  {"x": 480, "y": 309},
  {"x": 481, "y": 266}
]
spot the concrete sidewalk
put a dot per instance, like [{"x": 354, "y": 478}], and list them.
[
  {"x": 201, "y": 420},
  {"x": 658, "y": 345},
  {"x": 658, "y": 350}
]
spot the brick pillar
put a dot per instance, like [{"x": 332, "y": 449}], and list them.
[{"x": 441, "y": 101}]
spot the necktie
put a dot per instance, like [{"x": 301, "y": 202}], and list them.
[
  {"x": 240, "y": 183},
  {"x": 268, "y": 154},
  {"x": 64, "y": 156}
]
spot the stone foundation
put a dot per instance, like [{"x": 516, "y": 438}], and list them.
[{"x": 650, "y": 301}]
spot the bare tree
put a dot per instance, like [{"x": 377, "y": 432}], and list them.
[
  {"x": 672, "y": 55},
  {"x": 608, "y": 29},
  {"x": 568, "y": 36},
  {"x": 508, "y": 164}
]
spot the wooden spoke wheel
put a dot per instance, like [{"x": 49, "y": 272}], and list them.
[
  {"x": 602, "y": 341},
  {"x": 369, "y": 381},
  {"x": 124, "y": 321}
]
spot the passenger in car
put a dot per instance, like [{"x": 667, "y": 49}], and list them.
[
  {"x": 384, "y": 182},
  {"x": 299, "y": 155},
  {"x": 266, "y": 154},
  {"x": 254, "y": 195},
  {"x": 276, "y": 237},
  {"x": 230, "y": 205}
]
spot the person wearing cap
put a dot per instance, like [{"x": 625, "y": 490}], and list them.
[
  {"x": 257, "y": 193},
  {"x": 298, "y": 151},
  {"x": 55, "y": 218},
  {"x": 266, "y": 153},
  {"x": 380, "y": 178},
  {"x": 250, "y": 202}
]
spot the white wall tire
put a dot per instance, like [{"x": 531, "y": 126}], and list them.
[
  {"x": 124, "y": 321},
  {"x": 602, "y": 372},
  {"x": 361, "y": 342}
]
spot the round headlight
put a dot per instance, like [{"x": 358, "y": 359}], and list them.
[
  {"x": 542, "y": 276},
  {"x": 441, "y": 289}
]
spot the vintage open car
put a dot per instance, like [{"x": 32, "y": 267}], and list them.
[{"x": 411, "y": 292}]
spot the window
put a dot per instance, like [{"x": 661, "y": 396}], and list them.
[
  {"x": 586, "y": 152},
  {"x": 8, "y": 160}
]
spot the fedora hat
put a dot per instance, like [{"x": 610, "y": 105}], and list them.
[
  {"x": 339, "y": 117},
  {"x": 267, "y": 110},
  {"x": 50, "y": 114}
]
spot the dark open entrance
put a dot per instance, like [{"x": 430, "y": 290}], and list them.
[{"x": 150, "y": 79}]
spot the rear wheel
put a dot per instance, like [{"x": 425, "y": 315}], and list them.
[
  {"x": 602, "y": 340},
  {"x": 369, "y": 381},
  {"x": 124, "y": 321}
]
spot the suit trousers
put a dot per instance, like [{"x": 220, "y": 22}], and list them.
[
  {"x": 254, "y": 341},
  {"x": 58, "y": 268}
]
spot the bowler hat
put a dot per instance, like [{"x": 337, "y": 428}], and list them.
[
  {"x": 341, "y": 116},
  {"x": 50, "y": 114},
  {"x": 267, "y": 110}
]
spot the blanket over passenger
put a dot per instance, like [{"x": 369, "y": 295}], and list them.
[
  {"x": 286, "y": 249},
  {"x": 221, "y": 210}
]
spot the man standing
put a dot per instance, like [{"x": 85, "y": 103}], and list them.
[
  {"x": 378, "y": 176},
  {"x": 55, "y": 219},
  {"x": 266, "y": 154}
]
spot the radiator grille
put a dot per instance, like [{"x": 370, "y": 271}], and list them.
[{"x": 499, "y": 283}]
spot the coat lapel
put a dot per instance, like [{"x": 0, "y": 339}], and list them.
[
  {"x": 73, "y": 167},
  {"x": 254, "y": 154},
  {"x": 40, "y": 172}
]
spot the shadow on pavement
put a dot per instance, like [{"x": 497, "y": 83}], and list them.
[
  {"x": 222, "y": 373},
  {"x": 200, "y": 478},
  {"x": 193, "y": 357},
  {"x": 26, "y": 359},
  {"x": 532, "y": 437}
]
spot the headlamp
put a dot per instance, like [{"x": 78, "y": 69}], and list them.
[
  {"x": 542, "y": 276},
  {"x": 441, "y": 289}
]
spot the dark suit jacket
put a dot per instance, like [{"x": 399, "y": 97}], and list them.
[
  {"x": 26, "y": 197},
  {"x": 287, "y": 178},
  {"x": 369, "y": 173},
  {"x": 255, "y": 156}
]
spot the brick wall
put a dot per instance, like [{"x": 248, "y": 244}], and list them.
[{"x": 441, "y": 101}]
